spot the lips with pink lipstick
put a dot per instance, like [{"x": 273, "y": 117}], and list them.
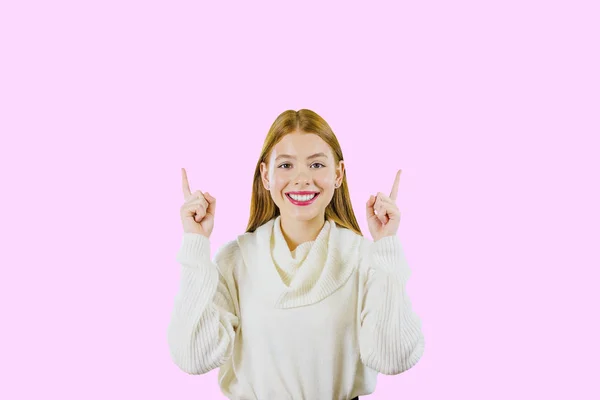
[{"x": 302, "y": 198}]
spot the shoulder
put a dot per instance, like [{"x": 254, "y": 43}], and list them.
[
  {"x": 227, "y": 257},
  {"x": 355, "y": 249},
  {"x": 234, "y": 253},
  {"x": 228, "y": 250},
  {"x": 351, "y": 244}
]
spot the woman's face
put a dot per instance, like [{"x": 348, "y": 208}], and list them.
[{"x": 301, "y": 176}]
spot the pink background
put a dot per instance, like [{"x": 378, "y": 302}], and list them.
[{"x": 491, "y": 109}]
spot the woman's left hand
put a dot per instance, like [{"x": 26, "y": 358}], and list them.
[{"x": 383, "y": 216}]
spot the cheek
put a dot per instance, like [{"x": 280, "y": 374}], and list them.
[
  {"x": 280, "y": 180},
  {"x": 325, "y": 180}
]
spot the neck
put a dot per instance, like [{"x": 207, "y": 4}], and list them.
[{"x": 297, "y": 232}]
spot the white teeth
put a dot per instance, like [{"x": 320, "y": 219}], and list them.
[{"x": 305, "y": 197}]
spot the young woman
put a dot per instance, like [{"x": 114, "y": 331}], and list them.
[{"x": 301, "y": 306}]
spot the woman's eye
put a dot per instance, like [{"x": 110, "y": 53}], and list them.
[{"x": 314, "y": 165}]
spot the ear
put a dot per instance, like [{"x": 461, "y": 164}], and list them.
[
  {"x": 264, "y": 174},
  {"x": 340, "y": 170}
]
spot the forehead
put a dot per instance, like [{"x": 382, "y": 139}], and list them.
[{"x": 301, "y": 145}]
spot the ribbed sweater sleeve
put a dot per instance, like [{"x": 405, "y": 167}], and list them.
[
  {"x": 203, "y": 321},
  {"x": 391, "y": 340}
]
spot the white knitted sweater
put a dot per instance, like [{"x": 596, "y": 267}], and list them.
[{"x": 317, "y": 323}]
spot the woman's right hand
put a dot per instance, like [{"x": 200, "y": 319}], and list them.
[{"x": 198, "y": 209}]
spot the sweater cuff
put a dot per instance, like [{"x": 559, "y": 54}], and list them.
[
  {"x": 194, "y": 250},
  {"x": 387, "y": 255}
]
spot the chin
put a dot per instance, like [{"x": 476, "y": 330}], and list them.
[{"x": 305, "y": 217}]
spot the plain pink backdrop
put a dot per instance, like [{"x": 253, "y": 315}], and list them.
[{"x": 491, "y": 109}]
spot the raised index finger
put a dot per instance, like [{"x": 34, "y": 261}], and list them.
[
  {"x": 185, "y": 184},
  {"x": 394, "y": 192}
]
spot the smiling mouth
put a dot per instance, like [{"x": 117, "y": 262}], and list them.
[{"x": 302, "y": 199}]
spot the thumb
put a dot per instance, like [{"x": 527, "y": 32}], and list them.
[
  {"x": 212, "y": 203},
  {"x": 370, "y": 209}
]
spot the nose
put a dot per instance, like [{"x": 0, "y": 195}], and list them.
[{"x": 302, "y": 179}]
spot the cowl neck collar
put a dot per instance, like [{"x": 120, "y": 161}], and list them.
[
  {"x": 288, "y": 262},
  {"x": 309, "y": 274}
]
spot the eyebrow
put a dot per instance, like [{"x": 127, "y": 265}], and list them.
[{"x": 316, "y": 155}]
